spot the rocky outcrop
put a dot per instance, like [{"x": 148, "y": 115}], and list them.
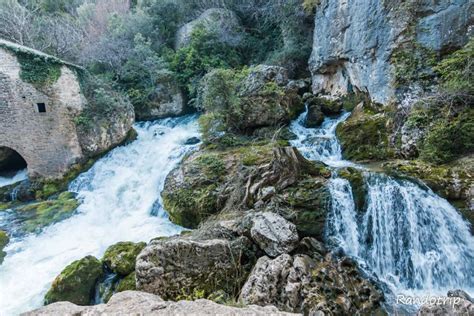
[
  {"x": 352, "y": 52},
  {"x": 365, "y": 135},
  {"x": 181, "y": 267},
  {"x": 165, "y": 100},
  {"x": 148, "y": 304},
  {"x": 76, "y": 283},
  {"x": 265, "y": 177},
  {"x": 224, "y": 24},
  {"x": 273, "y": 233},
  {"x": 301, "y": 283},
  {"x": 456, "y": 303},
  {"x": 261, "y": 96}
]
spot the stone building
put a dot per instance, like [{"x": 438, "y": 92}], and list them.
[{"x": 40, "y": 103}]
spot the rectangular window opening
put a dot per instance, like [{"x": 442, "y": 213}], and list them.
[{"x": 41, "y": 107}]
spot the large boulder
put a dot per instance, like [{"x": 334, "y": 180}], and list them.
[
  {"x": 272, "y": 178},
  {"x": 223, "y": 23},
  {"x": 273, "y": 233},
  {"x": 148, "y": 304},
  {"x": 121, "y": 257},
  {"x": 76, "y": 283},
  {"x": 181, "y": 267},
  {"x": 165, "y": 100},
  {"x": 354, "y": 53},
  {"x": 365, "y": 135},
  {"x": 246, "y": 100}
]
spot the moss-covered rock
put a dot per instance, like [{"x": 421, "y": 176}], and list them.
[
  {"x": 4, "y": 240},
  {"x": 36, "y": 216},
  {"x": 76, "y": 283},
  {"x": 365, "y": 135},
  {"x": 358, "y": 186},
  {"x": 249, "y": 99},
  {"x": 306, "y": 204},
  {"x": 127, "y": 284},
  {"x": 121, "y": 257}
]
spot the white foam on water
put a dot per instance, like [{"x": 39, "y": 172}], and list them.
[
  {"x": 411, "y": 239},
  {"x": 17, "y": 177}
]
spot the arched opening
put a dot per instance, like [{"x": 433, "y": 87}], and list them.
[{"x": 12, "y": 166}]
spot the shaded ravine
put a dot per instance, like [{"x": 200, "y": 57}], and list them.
[
  {"x": 120, "y": 201},
  {"x": 411, "y": 240}
]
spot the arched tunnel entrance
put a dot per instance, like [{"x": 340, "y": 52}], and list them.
[{"x": 12, "y": 164}]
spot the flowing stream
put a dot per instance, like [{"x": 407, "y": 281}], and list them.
[
  {"x": 14, "y": 178},
  {"x": 120, "y": 201},
  {"x": 411, "y": 240}
]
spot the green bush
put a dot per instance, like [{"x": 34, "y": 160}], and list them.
[
  {"x": 204, "y": 53},
  {"x": 457, "y": 70}
]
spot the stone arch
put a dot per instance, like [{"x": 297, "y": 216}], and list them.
[{"x": 11, "y": 160}]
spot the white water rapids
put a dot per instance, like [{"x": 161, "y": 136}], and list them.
[
  {"x": 413, "y": 241},
  {"x": 118, "y": 197}
]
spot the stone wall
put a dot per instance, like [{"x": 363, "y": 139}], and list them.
[{"x": 47, "y": 141}]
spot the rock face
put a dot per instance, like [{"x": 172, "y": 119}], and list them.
[
  {"x": 458, "y": 302},
  {"x": 178, "y": 267},
  {"x": 42, "y": 102},
  {"x": 273, "y": 234},
  {"x": 225, "y": 24},
  {"x": 148, "y": 304},
  {"x": 352, "y": 52},
  {"x": 166, "y": 100},
  {"x": 76, "y": 283},
  {"x": 301, "y": 283}
]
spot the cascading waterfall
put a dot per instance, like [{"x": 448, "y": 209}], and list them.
[
  {"x": 412, "y": 240},
  {"x": 120, "y": 201}
]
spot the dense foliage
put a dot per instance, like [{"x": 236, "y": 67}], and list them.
[{"x": 132, "y": 42}]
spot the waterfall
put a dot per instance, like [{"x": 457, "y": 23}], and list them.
[
  {"x": 413, "y": 241},
  {"x": 120, "y": 201}
]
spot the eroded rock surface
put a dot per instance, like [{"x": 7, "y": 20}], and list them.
[{"x": 140, "y": 303}]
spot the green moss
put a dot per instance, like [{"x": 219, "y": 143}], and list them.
[
  {"x": 121, "y": 257},
  {"x": 309, "y": 202},
  {"x": 448, "y": 128},
  {"x": 189, "y": 207},
  {"x": 413, "y": 63},
  {"x": 211, "y": 165},
  {"x": 4, "y": 240},
  {"x": 38, "y": 215},
  {"x": 457, "y": 70},
  {"x": 76, "y": 283},
  {"x": 365, "y": 137},
  {"x": 127, "y": 284},
  {"x": 357, "y": 182},
  {"x": 38, "y": 70}
]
